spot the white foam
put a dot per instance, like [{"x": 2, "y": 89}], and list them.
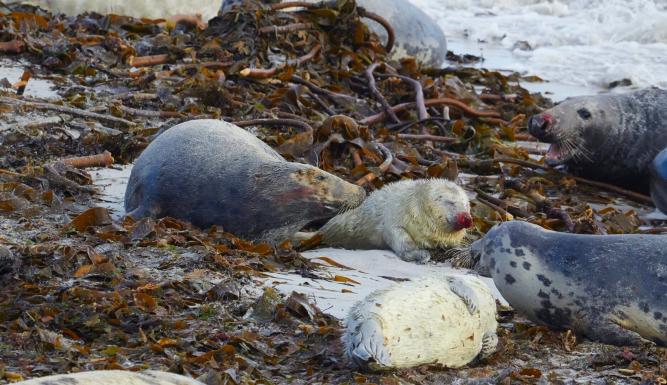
[{"x": 586, "y": 43}]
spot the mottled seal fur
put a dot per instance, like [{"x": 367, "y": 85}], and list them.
[
  {"x": 612, "y": 137},
  {"x": 447, "y": 319},
  {"x": 609, "y": 288},
  {"x": 416, "y": 33},
  {"x": 659, "y": 181},
  {"x": 408, "y": 217},
  {"x": 210, "y": 172},
  {"x": 113, "y": 377}
]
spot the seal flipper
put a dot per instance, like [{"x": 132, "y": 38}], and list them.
[
  {"x": 607, "y": 331},
  {"x": 398, "y": 239},
  {"x": 364, "y": 340},
  {"x": 137, "y": 213},
  {"x": 468, "y": 296},
  {"x": 489, "y": 344}
]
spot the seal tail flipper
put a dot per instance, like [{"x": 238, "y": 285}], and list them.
[
  {"x": 364, "y": 337},
  {"x": 610, "y": 332},
  {"x": 467, "y": 294},
  {"x": 489, "y": 344},
  {"x": 137, "y": 213}
]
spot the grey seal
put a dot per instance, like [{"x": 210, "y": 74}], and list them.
[
  {"x": 609, "y": 288},
  {"x": 611, "y": 137},
  {"x": 115, "y": 377},
  {"x": 408, "y": 217},
  {"x": 659, "y": 181},
  {"x": 417, "y": 34},
  {"x": 210, "y": 172}
]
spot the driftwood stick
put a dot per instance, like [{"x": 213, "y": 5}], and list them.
[
  {"x": 12, "y": 46},
  {"x": 377, "y": 94},
  {"x": 430, "y": 138},
  {"x": 389, "y": 158},
  {"x": 275, "y": 122},
  {"x": 150, "y": 113},
  {"x": 379, "y": 117},
  {"x": 285, "y": 28},
  {"x": 68, "y": 110},
  {"x": 263, "y": 73},
  {"x": 146, "y": 61},
  {"x": 104, "y": 159}
]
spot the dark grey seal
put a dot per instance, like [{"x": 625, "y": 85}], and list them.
[
  {"x": 659, "y": 181},
  {"x": 611, "y": 137},
  {"x": 417, "y": 34},
  {"x": 609, "y": 288},
  {"x": 210, "y": 172}
]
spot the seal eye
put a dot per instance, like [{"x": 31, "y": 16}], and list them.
[
  {"x": 320, "y": 177},
  {"x": 584, "y": 113}
]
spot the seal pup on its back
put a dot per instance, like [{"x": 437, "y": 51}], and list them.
[
  {"x": 610, "y": 288},
  {"x": 408, "y": 217},
  {"x": 611, "y": 137},
  {"x": 448, "y": 319},
  {"x": 113, "y": 377},
  {"x": 210, "y": 172}
]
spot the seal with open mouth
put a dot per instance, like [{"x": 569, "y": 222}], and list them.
[
  {"x": 609, "y": 288},
  {"x": 612, "y": 137}
]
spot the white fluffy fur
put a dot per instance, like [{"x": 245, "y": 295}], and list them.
[
  {"x": 113, "y": 377},
  {"x": 408, "y": 217},
  {"x": 153, "y": 9},
  {"x": 445, "y": 319}
]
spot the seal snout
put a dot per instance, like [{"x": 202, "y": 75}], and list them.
[
  {"x": 538, "y": 125},
  {"x": 463, "y": 221}
]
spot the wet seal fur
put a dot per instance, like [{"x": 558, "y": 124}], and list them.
[
  {"x": 114, "y": 377},
  {"x": 210, "y": 172},
  {"x": 408, "y": 217},
  {"x": 659, "y": 181},
  {"x": 447, "y": 319},
  {"x": 609, "y": 288},
  {"x": 417, "y": 34},
  {"x": 612, "y": 137}
]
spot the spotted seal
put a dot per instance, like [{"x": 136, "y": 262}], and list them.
[
  {"x": 612, "y": 137},
  {"x": 416, "y": 33},
  {"x": 659, "y": 181},
  {"x": 448, "y": 319},
  {"x": 610, "y": 288},
  {"x": 408, "y": 217},
  {"x": 210, "y": 172},
  {"x": 116, "y": 377}
]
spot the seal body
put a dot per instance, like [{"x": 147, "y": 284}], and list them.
[
  {"x": 210, "y": 172},
  {"x": 408, "y": 217},
  {"x": 417, "y": 34},
  {"x": 448, "y": 319},
  {"x": 659, "y": 181},
  {"x": 136, "y": 8},
  {"x": 611, "y": 137},
  {"x": 610, "y": 288},
  {"x": 113, "y": 377}
]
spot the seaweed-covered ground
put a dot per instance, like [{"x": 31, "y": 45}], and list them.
[{"x": 83, "y": 291}]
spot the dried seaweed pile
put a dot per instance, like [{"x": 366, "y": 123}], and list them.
[{"x": 85, "y": 292}]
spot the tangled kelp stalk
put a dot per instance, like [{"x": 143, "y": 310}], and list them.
[{"x": 87, "y": 292}]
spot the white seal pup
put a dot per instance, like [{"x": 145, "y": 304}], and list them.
[
  {"x": 659, "y": 181},
  {"x": 210, "y": 172},
  {"x": 609, "y": 288},
  {"x": 113, "y": 377},
  {"x": 612, "y": 137},
  {"x": 408, "y": 217},
  {"x": 447, "y": 319}
]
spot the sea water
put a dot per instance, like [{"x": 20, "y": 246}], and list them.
[{"x": 578, "y": 46}]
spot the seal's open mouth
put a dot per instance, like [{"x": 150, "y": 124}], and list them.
[{"x": 554, "y": 155}]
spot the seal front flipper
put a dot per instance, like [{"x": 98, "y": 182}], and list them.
[
  {"x": 609, "y": 332},
  {"x": 398, "y": 239},
  {"x": 460, "y": 287}
]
